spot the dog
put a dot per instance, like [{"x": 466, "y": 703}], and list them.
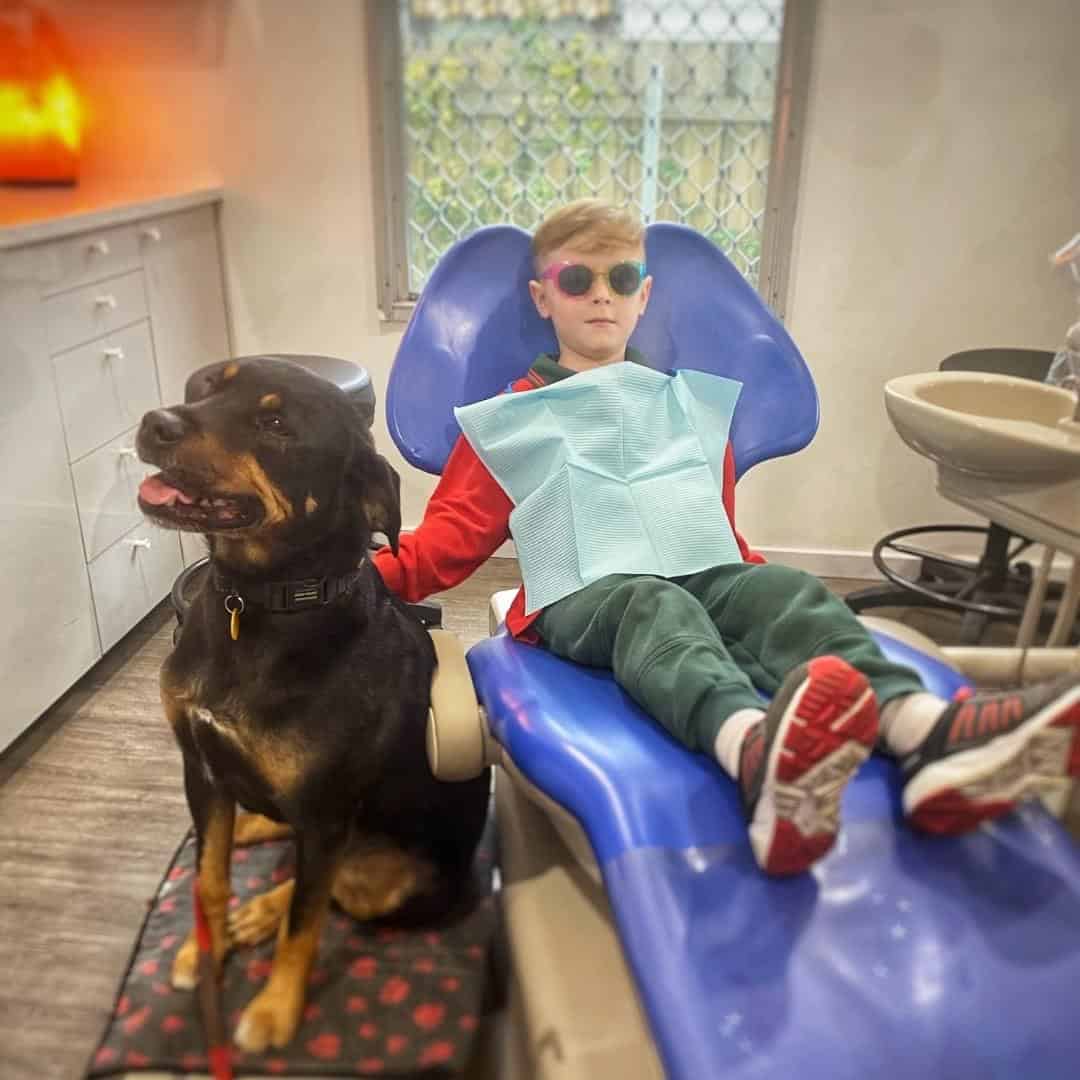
[{"x": 299, "y": 687}]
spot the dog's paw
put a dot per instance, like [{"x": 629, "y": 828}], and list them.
[
  {"x": 270, "y": 1020},
  {"x": 185, "y": 969},
  {"x": 260, "y": 917}
]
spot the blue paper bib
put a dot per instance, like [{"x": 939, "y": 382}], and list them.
[{"x": 614, "y": 471}]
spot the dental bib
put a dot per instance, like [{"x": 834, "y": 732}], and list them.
[{"x": 614, "y": 471}]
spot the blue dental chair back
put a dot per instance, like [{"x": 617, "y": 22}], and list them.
[
  {"x": 475, "y": 330},
  {"x": 901, "y": 955}
]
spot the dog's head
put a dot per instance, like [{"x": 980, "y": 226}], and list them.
[{"x": 266, "y": 459}]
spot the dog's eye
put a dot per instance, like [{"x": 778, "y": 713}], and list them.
[{"x": 272, "y": 422}]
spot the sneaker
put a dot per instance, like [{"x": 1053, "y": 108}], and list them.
[
  {"x": 987, "y": 753},
  {"x": 794, "y": 765}
]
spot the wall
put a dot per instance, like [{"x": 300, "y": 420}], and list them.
[
  {"x": 941, "y": 160},
  {"x": 941, "y": 167},
  {"x": 152, "y": 76},
  {"x": 299, "y": 219},
  {"x": 941, "y": 157}
]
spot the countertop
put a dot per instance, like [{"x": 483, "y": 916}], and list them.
[{"x": 33, "y": 215}]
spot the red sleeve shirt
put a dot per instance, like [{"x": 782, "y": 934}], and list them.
[{"x": 467, "y": 519}]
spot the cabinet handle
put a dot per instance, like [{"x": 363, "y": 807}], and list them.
[
  {"x": 151, "y": 233},
  {"x": 125, "y": 451},
  {"x": 137, "y": 542},
  {"x": 98, "y": 247},
  {"x": 113, "y": 354},
  {"x": 106, "y": 301}
]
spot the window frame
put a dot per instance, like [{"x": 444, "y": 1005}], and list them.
[{"x": 785, "y": 161}]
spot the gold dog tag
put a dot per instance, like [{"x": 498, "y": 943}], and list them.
[{"x": 234, "y": 605}]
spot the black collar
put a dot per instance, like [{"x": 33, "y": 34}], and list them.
[{"x": 287, "y": 596}]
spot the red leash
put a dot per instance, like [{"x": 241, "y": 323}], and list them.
[{"x": 209, "y": 991}]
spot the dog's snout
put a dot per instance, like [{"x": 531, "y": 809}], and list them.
[{"x": 162, "y": 427}]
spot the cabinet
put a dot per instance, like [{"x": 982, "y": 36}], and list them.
[{"x": 95, "y": 329}]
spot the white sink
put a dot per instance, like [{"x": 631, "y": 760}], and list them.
[{"x": 990, "y": 426}]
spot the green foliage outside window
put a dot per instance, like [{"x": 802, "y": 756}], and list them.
[{"x": 506, "y": 119}]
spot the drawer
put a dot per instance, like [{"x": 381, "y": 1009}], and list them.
[
  {"x": 105, "y": 387},
  {"x": 106, "y": 490},
  {"x": 84, "y": 314},
  {"x": 90, "y": 256},
  {"x": 131, "y": 577}
]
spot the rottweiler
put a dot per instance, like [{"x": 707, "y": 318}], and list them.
[{"x": 299, "y": 686}]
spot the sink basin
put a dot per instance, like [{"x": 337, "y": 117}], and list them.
[{"x": 991, "y": 426}]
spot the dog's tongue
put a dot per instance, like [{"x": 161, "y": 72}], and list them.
[{"x": 155, "y": 492}]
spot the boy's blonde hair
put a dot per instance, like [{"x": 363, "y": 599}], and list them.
[{"x": 588, "y": 225}]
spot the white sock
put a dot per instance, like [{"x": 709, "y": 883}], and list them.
[
  {"x": 907, "y": 720},
  {"x": 729, "y": 738}
]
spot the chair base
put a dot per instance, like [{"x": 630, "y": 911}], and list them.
[
  {"x": 572, "y": 999},
  {"x": 994, "y": 589}
]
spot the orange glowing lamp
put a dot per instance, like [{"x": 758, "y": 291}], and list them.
[{"x": 41, "y": 113}]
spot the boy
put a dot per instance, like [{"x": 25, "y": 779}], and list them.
[{"x": 691, "y": 649}]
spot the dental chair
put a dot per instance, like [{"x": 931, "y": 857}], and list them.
[{"x": 644, "y": 940}]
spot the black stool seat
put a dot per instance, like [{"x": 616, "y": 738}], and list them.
[{"x": 351, "y": 378}]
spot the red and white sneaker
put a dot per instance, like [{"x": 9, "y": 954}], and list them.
[
  {"x": 795, "y": 764},
  {"x": 987, "y": 753}
]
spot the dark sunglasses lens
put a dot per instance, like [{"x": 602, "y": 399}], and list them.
[
  {"x": 575, "y": 280},
  {"x": 625, "y": 278}
]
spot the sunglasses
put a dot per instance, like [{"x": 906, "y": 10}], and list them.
[{"x": 575, "y": 279}]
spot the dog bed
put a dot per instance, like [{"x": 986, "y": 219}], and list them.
[{"x": 381, "y": 1001}]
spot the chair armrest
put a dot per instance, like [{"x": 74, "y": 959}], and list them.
[
  {"x": 459, "y": 746},
  {"x": 428, "y": 612},
  {"x": 498, "y": 607}
]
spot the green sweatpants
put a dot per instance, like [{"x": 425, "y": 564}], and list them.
[{"x": 691, "y": 650}]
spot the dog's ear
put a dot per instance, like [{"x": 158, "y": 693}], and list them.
[{"x": 380, "y": 498}]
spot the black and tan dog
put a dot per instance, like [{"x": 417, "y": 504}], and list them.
[{"x": 299, "y": 688}]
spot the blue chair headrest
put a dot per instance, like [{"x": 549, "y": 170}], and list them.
[{"x": 475, "y": 330}]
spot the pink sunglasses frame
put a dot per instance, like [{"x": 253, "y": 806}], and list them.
[{"x": 552, "y": 273}]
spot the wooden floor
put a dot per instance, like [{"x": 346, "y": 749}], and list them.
[{"x": 91, "y": 809}]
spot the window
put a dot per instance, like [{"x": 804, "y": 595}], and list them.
[{"x": 497, "y": 111}]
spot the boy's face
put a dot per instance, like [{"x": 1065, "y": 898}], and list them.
[{"x": 596, "y": 325}]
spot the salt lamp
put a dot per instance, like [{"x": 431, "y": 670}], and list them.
[{"x": 41, "y": 112}]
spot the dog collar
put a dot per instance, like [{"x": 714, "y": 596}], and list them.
[{"x": 283, "y": 597}]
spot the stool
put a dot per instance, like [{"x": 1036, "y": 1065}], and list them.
[
  {"x": 351, "y": 378},
  {"x": 356, "y": 383}
]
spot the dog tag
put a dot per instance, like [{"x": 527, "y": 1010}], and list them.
[{"x": 234, "y": 605}]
